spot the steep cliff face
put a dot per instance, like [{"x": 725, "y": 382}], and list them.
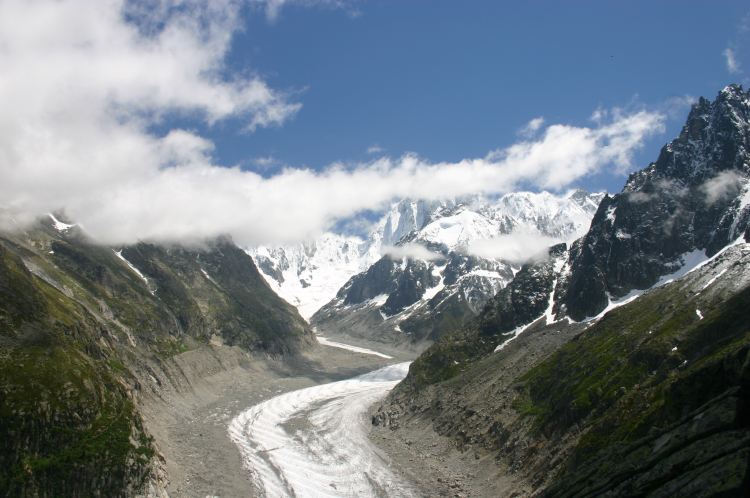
[
  {"x": 695, "y": 197},
  {"x": 78, "y": 324}
]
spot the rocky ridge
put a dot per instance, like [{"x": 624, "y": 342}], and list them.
[{"x": 595, "y": 395}]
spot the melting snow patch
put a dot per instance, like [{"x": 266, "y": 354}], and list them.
[
  {"x": 611, "y": 213},
  {"x": 550, "y": 317},
  {"x": 705, "y": 260},
  {"x": 716, "y": 277},
  {"x": 700, "y": 315},
  {"x": 433, "y": 291},
  {"x": 59, "y": 225},
  {"x": 674, "y": 349},
  {"x": 514, "y": 333},
  {"x": 631, "y": 296},
  {"x": 690, "y": 261},
  {"x": 132, "y": 267},
  {"x": 378, "y": 300},
  {"x": 205, "y": 274},
  {"x": 325, "y": 342}
]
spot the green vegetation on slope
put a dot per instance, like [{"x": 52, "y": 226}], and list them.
[
  {"x": 67, "y": 425},
  {"x": 633, "y": 382}
]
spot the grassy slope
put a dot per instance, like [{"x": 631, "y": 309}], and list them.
[
  {"x": 640, "y": 373},
  {"x": 67, "y": 425},
  {"x": 649, "y": 399}
]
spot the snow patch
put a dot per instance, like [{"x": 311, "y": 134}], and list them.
[
  {"x": 631, "y": 296},
  {"x": 557, "y": 268},
  {"x": 513, "y": 333},
  {"x": 433, "y": 291},
  {"x": 611, "y": 216},
  {"x": 700, "y": 315},
  {"x": 326, "y": 342},
  {"x": 59, "y": 225},
  {"x": 133, "y": 268},
  {"x": 714, "y": 279},
  {"x": 378, "y": 300}
]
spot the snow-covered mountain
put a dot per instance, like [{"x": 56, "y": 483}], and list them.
[
  {"x": 309, "y": 275},
  {"x": 449, "y": 260}
]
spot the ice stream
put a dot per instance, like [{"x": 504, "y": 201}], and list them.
[{"x": 313, "y": 442}]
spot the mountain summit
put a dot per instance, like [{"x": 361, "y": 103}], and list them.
[{"x": 695, "y": 197}]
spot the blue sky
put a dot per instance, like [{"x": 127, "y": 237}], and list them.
[
  {"x": 450, "y": 80},
  {"x": 131, "y": 115}
]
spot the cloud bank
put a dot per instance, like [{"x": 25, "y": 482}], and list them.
[
  {"x": 85, "y": 82},
  {"x": 723, "y": 185},
  {"x": 411, "y": 250},
  {"x": 518, "y": 247}
]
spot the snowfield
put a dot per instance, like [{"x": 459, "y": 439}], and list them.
[{"x": 313, "y": 442}]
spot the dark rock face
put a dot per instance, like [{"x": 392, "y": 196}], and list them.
[
  {"x": 410, "y": 286},
  {"x": 689, "y": 199},
  {"x": 522, "y": 301},
  {"x": 378, "y": 279}
]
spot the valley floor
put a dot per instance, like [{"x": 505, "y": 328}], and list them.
[{"x": 194, "y": 396}]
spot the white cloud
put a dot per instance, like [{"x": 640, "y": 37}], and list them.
[
  {"x": 725, "y": 184},
  {"x": 273, "y": 7},
  {"x": 265, "y": 162},
  {"x": 530, "y": 129},
  {"x": 82, "y": 88},
  {"x": 410, "y": 250},
  {"x": 375, "y": 149},
  {"x": 518, "y": 247},
  {"x": 676, "y": 107},
  {"x": 599, "y": 115},
  {"x": 733, "y": 65}
]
